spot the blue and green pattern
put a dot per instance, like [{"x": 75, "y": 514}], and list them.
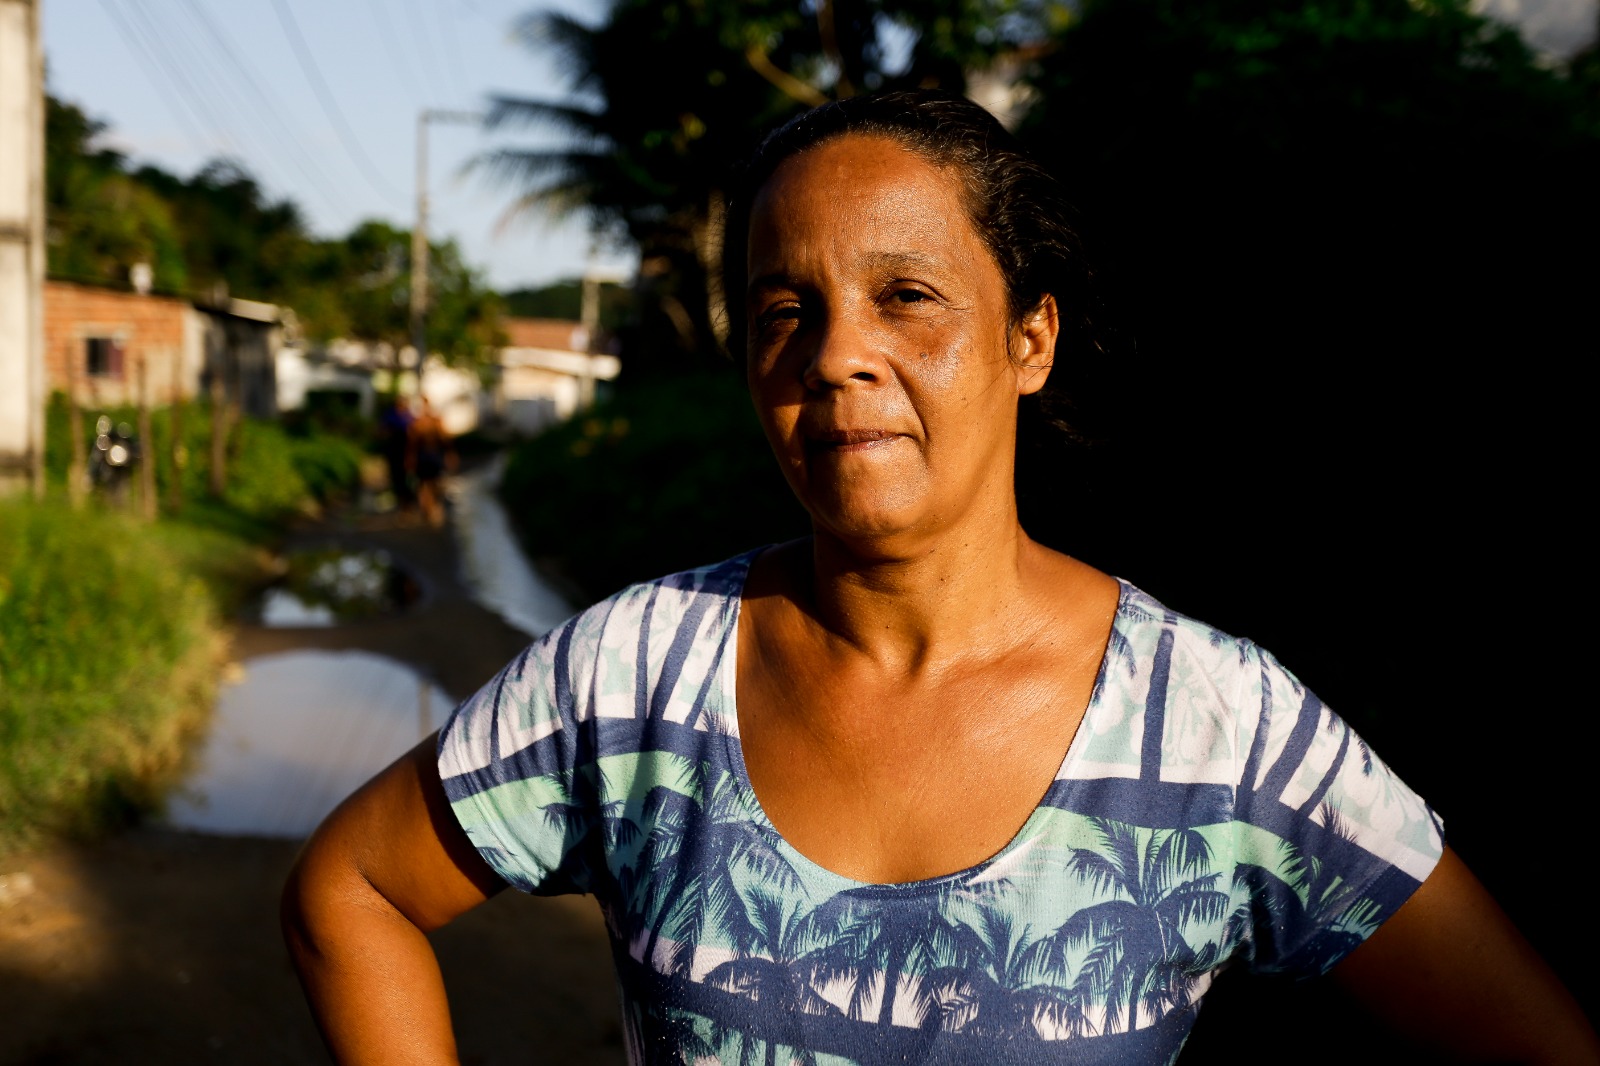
[{"x": 1211, "y": 811}]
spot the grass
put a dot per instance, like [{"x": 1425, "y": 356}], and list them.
[
  {"x": 111, "y": 635},
  {"x": 109, "y": 651}
]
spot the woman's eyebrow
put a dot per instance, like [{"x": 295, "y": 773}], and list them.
[
  {"x": 895, "y": 261},
  {"x": 879, "y": 262},
  {"x": 778, "y": 279}
]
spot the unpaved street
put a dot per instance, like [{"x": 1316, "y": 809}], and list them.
[{"x": 159, "y": 946}]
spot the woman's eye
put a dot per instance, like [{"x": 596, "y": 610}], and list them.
[
  {"x": 909, "y": 296},
  {"x": 780, "y": 316}
]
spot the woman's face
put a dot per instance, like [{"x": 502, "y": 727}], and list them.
[{"x": 877, "y": 348}]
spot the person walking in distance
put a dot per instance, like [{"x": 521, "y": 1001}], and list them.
[{"x": 431, "y": 454}]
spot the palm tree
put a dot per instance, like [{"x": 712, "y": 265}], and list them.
[
  {"x": 1159, "y": 881},
  {"x": 1002, "y": 993},
  {"x": 879, "y": 943},
  {"x": 687, "y": 898},
  {"x": 777, "y": 967},
  {"x": 645, "y": 162},
  {"x": 649, "y": 147},
  {"x": 1305, "y": 893}
]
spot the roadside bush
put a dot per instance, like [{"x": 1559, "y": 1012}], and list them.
[
  {"x": 109, "y": 642},
  {"x": 330, "y": 466},
  {"x": 108, "y": 660},
  {"x": 672, "y": 474},
  {"x": 273, "y": 472}
]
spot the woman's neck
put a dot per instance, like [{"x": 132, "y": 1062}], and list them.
[{"x": 917, "y": 605}]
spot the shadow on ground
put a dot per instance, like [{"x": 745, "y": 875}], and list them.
[{"x": 163, "y": 947}]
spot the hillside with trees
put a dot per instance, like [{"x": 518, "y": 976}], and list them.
[{"x": 220, "y": 231}]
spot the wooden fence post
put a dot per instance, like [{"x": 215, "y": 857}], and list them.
[
  {"x": 219, "y": 434},
  {"x": 147, "y": 445},
  {"x": 177, "y": 453},
  {"x": 77, "y": 468}
]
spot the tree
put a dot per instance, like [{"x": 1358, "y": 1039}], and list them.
[
  {"x": 374, "y": 262},
  {"x": 1157, "y": 881},
  {"x": 648, "y": 167},
  {"x": 1004, "y": 994},
  {"x": 100, "y": 222},
  {"x": 233, "y": 234},
  {"x": 220, "y": 232}
]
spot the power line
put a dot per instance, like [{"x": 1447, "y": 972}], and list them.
[
  {"x": 419, "y": 32},
  {"x": 151, "y": 39},
  {"x": 199, "y": 102},
  {"x": 330, "y": 108},
  {"x": 186, "y": 117},
  {"x": 391, "y": 44},
  {"x": 180, "y": 55},
  {"x": 457, "y": 67},
  {"x": 291, "y": 146}
]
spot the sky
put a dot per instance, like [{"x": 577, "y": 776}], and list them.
[
  {"x": 320, "y": 102},
  {"x": 181, "y": 82}
]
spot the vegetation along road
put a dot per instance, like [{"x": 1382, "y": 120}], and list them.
[{"x": 157, "y": 945}]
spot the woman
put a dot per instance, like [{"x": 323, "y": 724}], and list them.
[{"x": 917, "y": 789}]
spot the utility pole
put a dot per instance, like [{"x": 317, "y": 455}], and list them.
[
  {"x": 419, "y": 232},
  {"x": 22, "y": 386},
  {"x": 593, "y": 278}
]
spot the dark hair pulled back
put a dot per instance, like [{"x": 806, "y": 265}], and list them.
[{"x": 1016, "y": 206}]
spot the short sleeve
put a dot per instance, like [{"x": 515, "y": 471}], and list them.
[
  {"x": 1330, "y": 842},
  {"x": 512, "y": 762}
]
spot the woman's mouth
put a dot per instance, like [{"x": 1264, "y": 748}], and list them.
[{"x": 836, "y": 441}]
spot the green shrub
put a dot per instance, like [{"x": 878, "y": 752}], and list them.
[
  {"x": 109, "y": 647},
  {"x": 272, "y": 472},
  {"x": 108, "y": 658},
  {"x": 672, "y": 474},
  {"x": 329, "y": 466}
]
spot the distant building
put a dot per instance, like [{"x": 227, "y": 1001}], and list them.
[
  {"x": 547, "y": 373},
  {"x": 312, "y": 378},
  {"x": 544, "y": 375},
  {"x": 21, "y": 246},
  {"x": 99, "y": 341}
]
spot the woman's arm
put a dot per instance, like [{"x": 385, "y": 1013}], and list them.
[
  {"x": 1451, "y": 972},
  {"x": 386, "y": 867}
]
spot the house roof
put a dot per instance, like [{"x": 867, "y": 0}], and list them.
[{"x": 555, "y": 334}]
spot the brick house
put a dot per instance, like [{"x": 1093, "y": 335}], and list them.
[{"x": 97, "y": 341}]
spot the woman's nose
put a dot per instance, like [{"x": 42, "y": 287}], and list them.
[{"x": 843, "y": 353}]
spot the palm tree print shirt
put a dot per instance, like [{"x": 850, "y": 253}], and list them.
[{"x": 1210, "y": 811}]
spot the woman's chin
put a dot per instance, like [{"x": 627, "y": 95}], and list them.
[{"x": 869, "y": 530}]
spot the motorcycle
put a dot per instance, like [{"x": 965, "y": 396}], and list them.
[{"x": 112, "y": 460}]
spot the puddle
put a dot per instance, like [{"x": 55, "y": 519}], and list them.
[
  {"x": 331, "y": 586},
  {"x": 299, "y": 732},
  {"x": 496, "y": 572}
]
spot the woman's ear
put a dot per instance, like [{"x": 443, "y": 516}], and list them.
[{"x": 1034, "y": 345}]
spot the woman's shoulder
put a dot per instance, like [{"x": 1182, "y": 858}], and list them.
[
  {"x": 1148, "y": 633},
  {"x": 650, "y": 652},
  {"x": 662, "y": 599},
  {"x": 1174, "y": 685},
  {"x": 611, "y": 648}
]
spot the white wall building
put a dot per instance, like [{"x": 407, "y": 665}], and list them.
[
  {"x": 546, "y": 373},
  {"x": 21, "y": 245}
]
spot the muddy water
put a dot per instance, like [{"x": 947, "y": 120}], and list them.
[
  {"x": 297, "y": 733},
  {"x": 317, "y": 709},
  {"x": 330, "y": 585},
  {"x": 496, "y": 572}
]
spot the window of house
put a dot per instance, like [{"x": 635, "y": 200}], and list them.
[{"x": 103, "y": 357}]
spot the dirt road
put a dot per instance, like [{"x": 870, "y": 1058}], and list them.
[{"x": 159, "y": 946}]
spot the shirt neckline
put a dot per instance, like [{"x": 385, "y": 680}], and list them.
[{"x": 810, "y": 870}]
